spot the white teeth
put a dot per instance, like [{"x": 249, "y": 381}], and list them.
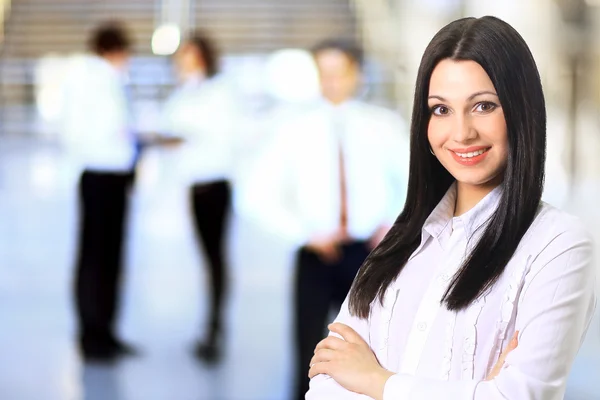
[{"x": 471, "y": 154}]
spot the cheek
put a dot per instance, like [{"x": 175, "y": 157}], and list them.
[
  {"x": 493, "y": 131},
  {"x": 436, "y": 134}
]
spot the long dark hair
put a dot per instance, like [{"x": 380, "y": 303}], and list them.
[
  {"x": 505, "y": 57},
  {"x": 206, "y": 48}
]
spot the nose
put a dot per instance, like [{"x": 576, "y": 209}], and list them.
[{"x": 464, "y": 131}]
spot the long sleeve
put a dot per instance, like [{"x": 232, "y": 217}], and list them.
[
  {"x": 266, "y": 193},
  {"x": 323, "y": 387},
  {"x": 554, "y": 312}
]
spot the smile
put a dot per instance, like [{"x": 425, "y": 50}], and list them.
[
  {"x": 471, "y": 156},
  {"x": 472, "y": 153}
]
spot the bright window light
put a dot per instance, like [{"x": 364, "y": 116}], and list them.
[{"x": 166, "y": 39}]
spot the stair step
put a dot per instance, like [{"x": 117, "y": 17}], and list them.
[{"x": 241, "y": 27}]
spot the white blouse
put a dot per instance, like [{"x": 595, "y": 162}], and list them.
[
  {"x": 206, "y": 114},
  {"x": 546, "y": 293}
]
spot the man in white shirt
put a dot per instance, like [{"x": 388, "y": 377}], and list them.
[
  {"x": 333, "y": 182},
  {"x": 100, "y": 142}
]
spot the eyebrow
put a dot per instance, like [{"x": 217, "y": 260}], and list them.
[{"x": 471, "y": 97}]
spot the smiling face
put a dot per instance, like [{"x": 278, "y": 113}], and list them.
[{"x": 467, "y": 130}]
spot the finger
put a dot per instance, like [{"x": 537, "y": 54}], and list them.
[
  {"x": 332, "y": 253},
  {"x": 327, "y": 256},
  {"x": 332, "y": 343},
  {"x": 495, "y": 371},
  {"x": 323, "y": 355},
  {"x": 346, "y": 332},
  {"x": 319, "y": 368},
  {"x": 373, "y": 243},
  {"x": 514, "y": 342}
]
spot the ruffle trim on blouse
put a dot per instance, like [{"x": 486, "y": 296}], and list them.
[
  {"x": 508, "y": 307},
  {"x": 472, "y": 317},
  {"x": 447, "y": 362}
]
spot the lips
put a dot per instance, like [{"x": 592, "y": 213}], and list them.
[{"x": 470, "y": 156}]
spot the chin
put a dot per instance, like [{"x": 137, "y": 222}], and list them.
[{"x": 476, "y": 180}]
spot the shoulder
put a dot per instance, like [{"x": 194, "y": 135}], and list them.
[
  {"x": 82, "y": 68},
  {"x": 216, "y": 88},
  {"x": 380, "y": 121},
  {"x": 90, "y": 79},
  {"x": 293, "y": 130},
  {"x": 378, "y": 113},
  {"x": 555, "y": 232},
  {"x": 303, "y": 121},
  {"x": 560, "y": 252},
  {"x": 553, "y": 222}
]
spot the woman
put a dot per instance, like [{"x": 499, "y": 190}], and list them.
[
  {"x": 475, "y": 258},
  {"x": 202, "y": 112}
]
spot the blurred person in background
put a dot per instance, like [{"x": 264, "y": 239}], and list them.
[
  {"x": 99, "y": 140},
  {"x": 332, "y": 181},
  {"x": 202, "y": 111}
]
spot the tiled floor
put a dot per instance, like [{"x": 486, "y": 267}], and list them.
[{"x": 163, "y": 303}]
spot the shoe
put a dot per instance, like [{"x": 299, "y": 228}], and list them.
[
  {"x": 209, "y": 353},
  {"x": 123, "y": 349}
]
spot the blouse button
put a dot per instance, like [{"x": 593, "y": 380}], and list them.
[{"x": 422, "y": 326}]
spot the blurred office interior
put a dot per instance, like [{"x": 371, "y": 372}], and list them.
[{"x": 263, "y": 43}]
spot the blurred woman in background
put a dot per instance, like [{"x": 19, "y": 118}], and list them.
[{"x": 201, "y": 112}]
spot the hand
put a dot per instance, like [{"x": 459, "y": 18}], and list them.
[
  {"x": 514, "y": 342},
  {"x": 350, "y": 362},
  {"x": 327, "y": 247},
  {"x": 157, "y": 139},
  {"x": 378, "y": 236}
]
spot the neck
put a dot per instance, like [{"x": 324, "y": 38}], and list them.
[
  {"x": 193, "y": 75},
  {"x": 467, "y": 196},
  {"x": 117, "y": 61},
  {"x": 337, "y": 101}
]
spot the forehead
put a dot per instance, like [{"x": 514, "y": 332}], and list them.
[
  {"x": 458, "y": 79},
  {"x": 187, "y": 48},
  {"x": 333, "y": 58}
]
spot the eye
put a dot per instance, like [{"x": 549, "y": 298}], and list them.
[
  {"x": 485, "y": 107},
  {"x": 440, "y": 110}
]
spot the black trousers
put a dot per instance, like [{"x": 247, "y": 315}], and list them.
[
  {"x": 319, "y": 289},
  {"x": 103, "y": 198},
  {"x": 211, "y": 203}
]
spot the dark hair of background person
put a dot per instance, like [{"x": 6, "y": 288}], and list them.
[
  {"x": 110, "y": 37},
  {"x": 352, "y": 50},
  {"x": 207, "y": 49},
  {"x": 504, "y": 55}
]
